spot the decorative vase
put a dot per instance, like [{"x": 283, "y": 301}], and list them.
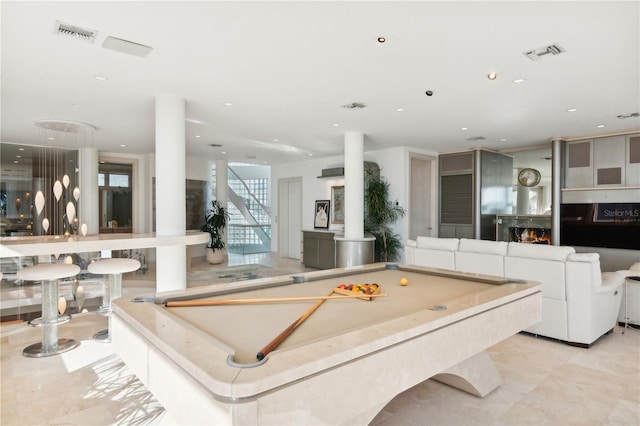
[{"x": 216, "y": 256}]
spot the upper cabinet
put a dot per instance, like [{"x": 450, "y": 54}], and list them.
[
  {"x": 603, "y": 162},
  {"x": 633, "y": 160}
]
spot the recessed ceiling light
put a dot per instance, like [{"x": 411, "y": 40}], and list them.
[
  {"x": 464, "y": 128},
  {"x": 519, "y": 80},
  {"x": 503, "y": 140},
  {"x": 381, "y": 40},
  {"x": 492, "y": 76},
  {"x": 275, "y": 140},
  {"x": 122, "y": 145},
  {"x": 335, "y": 125},
  {"x": 101, "y": 77},
  {"x": 227, "y": 104},
  {"x": 600, "y": 126},
  {"x": 16, "y": 162},
  {"x": 572, "y": 110},
  {"x": 197, "y": 136},
  {"x": 20, "y": 149},
  {"x": 310, "y": 155},
  {"x": 399, "y": 109},
  {"x": 18, "y": 156},
  {"x": 51, "y": 138},
  {"x": 76, "y": 105},
  {"x": 223, "y": 152}
]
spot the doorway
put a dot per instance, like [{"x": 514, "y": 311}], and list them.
[
  {"x": 289, "y": 217},
  {"x": 116, "y": 198}
]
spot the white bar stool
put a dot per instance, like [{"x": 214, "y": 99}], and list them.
[
  {"x": 112, "y": 269},
  {"x": 49, "y": 274}
]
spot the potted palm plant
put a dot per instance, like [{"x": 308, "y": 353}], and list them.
[
  {"x": 380, "y": 213},
  {"x": 215, "y": 221}
]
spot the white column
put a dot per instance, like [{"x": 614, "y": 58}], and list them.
[
  {"x": 556, "y": 191},
  {"x": 88, "y": 211},
  {"x": 353, "y": 185},
  {"x": 222, "y": 188},
  {"x": 171, "y": 261},
  {"x": 522, "y": 199}
]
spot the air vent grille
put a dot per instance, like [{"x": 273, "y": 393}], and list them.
[
  {"x": 541, "y": 52},
  {"x": 74, "y": 32}
]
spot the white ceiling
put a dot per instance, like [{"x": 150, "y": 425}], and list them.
[{"x": 288, "y": 67}]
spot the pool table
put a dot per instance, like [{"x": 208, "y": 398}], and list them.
[{"x": 342, "y": 365}]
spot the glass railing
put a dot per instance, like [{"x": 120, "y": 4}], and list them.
[
  {"x": 249, "y": 229},
  {"x": 248, "y": 239}
]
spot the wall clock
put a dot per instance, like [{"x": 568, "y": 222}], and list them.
[{"x": 529, "y": 177}]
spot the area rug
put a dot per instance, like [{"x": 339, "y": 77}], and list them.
[{"x": 228, "y": 274}]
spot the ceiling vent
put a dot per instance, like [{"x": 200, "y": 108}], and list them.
[
  {"x": 541, "y": 52},
  {"x": 354, "y": 105},
  {"x": 215, "y": 145},
  {"x": 632, "y": 115},
  {"x": 476, "y": 138},
  {"x": 74, "y": 32}
]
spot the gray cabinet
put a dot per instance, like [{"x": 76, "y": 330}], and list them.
[{"x": 318, "y": 249}]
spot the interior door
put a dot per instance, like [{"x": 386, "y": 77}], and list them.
[
  {"x": 420, "y": 198},
  {"x": 290, "y": 217}
]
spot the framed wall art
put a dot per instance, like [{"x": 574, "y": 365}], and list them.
[
  {"x": 337, "y": 204},
  {"x": 321, "y": 218}
]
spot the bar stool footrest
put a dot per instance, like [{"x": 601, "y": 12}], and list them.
[{"x": 38, "y": 322}]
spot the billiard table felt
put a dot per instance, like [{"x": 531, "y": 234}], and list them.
[{"x": 248, "y": 328}]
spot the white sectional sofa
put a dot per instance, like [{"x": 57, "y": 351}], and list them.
[{"x": 579, "y": 302}]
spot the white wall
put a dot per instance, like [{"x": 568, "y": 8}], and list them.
[{"x": 394, "y": 167}]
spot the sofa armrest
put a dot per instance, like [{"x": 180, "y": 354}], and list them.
[{"x": 611, "y": 281}]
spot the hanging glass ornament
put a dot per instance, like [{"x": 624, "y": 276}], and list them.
[
  {"x": 39, "y": 202},
  {"x": 71, "y": 212},
  {"x": 57, "y": 190}
]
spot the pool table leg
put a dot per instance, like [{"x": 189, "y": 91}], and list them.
[{"x": 476, "y": 375}]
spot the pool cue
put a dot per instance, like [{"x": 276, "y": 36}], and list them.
[
  {"x": 287, "y": 331},
  {"x": 189, "y": 303}
]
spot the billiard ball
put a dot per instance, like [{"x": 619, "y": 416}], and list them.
[{"x": 404, "y": 281}]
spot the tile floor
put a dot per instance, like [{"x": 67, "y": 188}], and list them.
[{"x": 544, "y": 382}]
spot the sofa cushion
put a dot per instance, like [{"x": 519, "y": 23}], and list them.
[
  {"x": 481, "y": 257},
  {"x": 483, "y": 246},
  {"x": 549, "y": 273},
  {"x": 539, "y": 251},
  {"x": 448, "y": 244},
  {"x": 411, "y": 243}
]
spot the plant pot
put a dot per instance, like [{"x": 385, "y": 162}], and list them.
[{"x": 216, "y": 256}]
